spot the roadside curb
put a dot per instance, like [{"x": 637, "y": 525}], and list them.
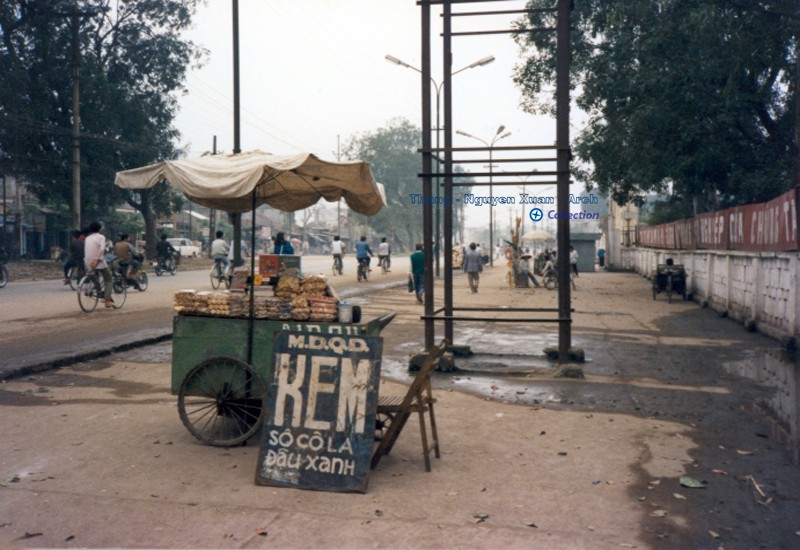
[{"x": 81, "y": 357}]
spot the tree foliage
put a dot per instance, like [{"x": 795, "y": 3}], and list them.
[
  {"x": 132, "y": 60},
  {"x": 695, "y": 98},
  {"x": 393, "y": 155}
]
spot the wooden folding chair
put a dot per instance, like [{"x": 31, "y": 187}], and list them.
[{"x": 395, "y": 410}]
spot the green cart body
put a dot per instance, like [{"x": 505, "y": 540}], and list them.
[{"x": 220, "y": 395}]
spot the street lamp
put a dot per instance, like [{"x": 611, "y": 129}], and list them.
[
  {"x": 497, "y": 137},
  {"x": 438, "y": 87}
]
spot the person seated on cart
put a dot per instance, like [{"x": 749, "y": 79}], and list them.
[
  {"x": 129, "y": 258},
  {"x": 164, "y": 250}
]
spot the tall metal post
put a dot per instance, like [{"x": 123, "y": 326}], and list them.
[
  {"x": 448, "y": 168},
  {"x": 76, "y": 122},
  {"x": 236, "y": 218},
  {"x": 562, "y": 167},
  {"x": 427, "y": 164}
]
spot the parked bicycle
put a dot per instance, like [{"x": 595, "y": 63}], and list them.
[
  {"x": 91, "y": 290},
  {"x": 550, "y": 280},
  {"x": 220, "y": 274}
]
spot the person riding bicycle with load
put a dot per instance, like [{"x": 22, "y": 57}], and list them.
[
  {"x": 220, "y": 249},
  {"x": 128, "y": 256},
  {"x": 164, "y": 250},
  {"x": 385, "y": 253},
  {"x": 363, "y": 252},
  {"x": 338, "y": 249}
]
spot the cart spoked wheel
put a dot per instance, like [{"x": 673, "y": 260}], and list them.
[{"x": 221, "y": 401}]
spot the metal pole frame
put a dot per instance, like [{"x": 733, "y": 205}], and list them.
[{"x": 427, "y": 165}]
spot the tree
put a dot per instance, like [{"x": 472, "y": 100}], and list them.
[
  {"x": 395, "y": 162},
  {"x": 691, "y": 98},
  {"x": 133, "y": 59},
  {"x": 392, "y": 153}
]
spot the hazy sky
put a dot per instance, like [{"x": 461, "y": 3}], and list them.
[{"x": 312, "y": 70}]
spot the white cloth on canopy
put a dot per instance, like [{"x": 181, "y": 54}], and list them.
[{"x": 285, "y": 182}]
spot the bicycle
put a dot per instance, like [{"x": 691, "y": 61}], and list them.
[
  {"x": 3, "y": 275},
  {"x": 384, "y": 262},
  {"x": 338, "y": 266},
  {"x": 75, "y": 274},
  {"x": 91, "y": 289},
  {"x": 550, "y": 280},
  {"x": 363, "y": 269},
  {"x": 219, "y": 275}
]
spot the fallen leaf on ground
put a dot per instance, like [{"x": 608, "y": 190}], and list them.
[
  {"x": 719, "y": 471},
  {"x": 654, "y": 482},
  {"x": 691, "y": 483},
  {"x": 746, "y": 453},
  {"x": 679, "y": 496},
  {"x": 658, "y": 513},
  {"x": 713, "y": 534},
  {"x": 531, "y": 524},
  {"x": 479, "y": 518}
]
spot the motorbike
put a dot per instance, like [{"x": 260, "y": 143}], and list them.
[{"x": 168, "y": 265}]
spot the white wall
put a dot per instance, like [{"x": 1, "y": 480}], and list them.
[{"x": 751, "y": 287}]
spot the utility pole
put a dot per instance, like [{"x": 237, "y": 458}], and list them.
[
  {"x": 236, "y": 218},
  {"x": 339, "y": 202},
  {"x": 76, "y": 122},
  {"x": 212, "y": 213}
]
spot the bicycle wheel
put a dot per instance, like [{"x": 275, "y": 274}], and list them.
[
  {"x": 88, "y": 293},
  {"x": 143, "y": 282},
  {"x": 228, "y": 277},
  {"x": 120, "y": 290},
  {"x": 221, "y": 401},
  {"x": 335, "y": 268},
  {"x": 3, "y": 276},
  {"x": 215, "y": 276},
  {"x": 172, "y": 266},
  {"x": 74, "y": 277},
  {"x": 549, "y": 282}
]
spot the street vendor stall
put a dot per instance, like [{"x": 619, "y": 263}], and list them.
[{"x": 223, "y": 341}]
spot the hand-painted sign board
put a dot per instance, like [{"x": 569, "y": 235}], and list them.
[{"x": 321, "y": 408}]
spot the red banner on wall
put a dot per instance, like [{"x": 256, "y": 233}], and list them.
[{"x": 764, "y": 227}]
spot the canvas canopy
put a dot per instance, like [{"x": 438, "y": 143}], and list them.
[{"x": 285, "y": 182}]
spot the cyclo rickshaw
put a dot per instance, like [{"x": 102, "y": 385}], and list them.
[
  {"x": 670, "y": 278},
  {"x": 222, "y": 366}
]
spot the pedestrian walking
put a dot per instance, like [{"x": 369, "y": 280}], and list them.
[
  {"x": 601, "y": 257},
  {"x": 418, "y": 271},
  {"x": 473, "y": 265},
  {"x": 573, "y": 260}
]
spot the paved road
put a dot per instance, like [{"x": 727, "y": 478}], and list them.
[{"x": 41, "y": 322}]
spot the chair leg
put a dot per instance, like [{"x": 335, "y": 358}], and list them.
[
  {"x": 424, "y": 433},
  {"x": 434, "y": 432}
]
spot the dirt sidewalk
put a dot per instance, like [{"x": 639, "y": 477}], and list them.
[{"x": 529, "y": 461}]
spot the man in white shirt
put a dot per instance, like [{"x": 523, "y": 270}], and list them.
[
  {"x": 385, "y": 253},
  {"x": 337, "y": 250},
  {"x": 220, "y": 249},
  {"x": 95, "y": 258}
]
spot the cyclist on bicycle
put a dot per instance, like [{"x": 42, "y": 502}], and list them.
[
  {"x": 75, "y": 253},
  {"x": 337, "y": 249},
  {"x": 363, "y": 252},
  {"x": 164, "y": 250},
  {"x": 548, "y": 268},
  {"x": 128, "y": 256},
  {"x": 95, "y": 258},
  {"x": 220, "y": 249},
  {"x": 385, "y": 254}
]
